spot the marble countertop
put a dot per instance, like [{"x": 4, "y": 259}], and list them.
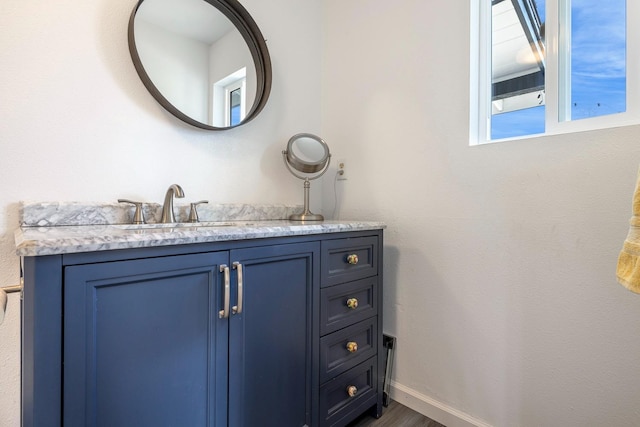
[{"x": 36, "y": 241}]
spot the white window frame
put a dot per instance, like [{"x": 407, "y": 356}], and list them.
[{"x": 480, "y": 74}]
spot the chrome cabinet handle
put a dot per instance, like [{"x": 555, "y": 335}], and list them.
[
  {"x": 224, "y": 313},
  {"x": 237, "y": 309},
  {"x": 352, "y": 259}
]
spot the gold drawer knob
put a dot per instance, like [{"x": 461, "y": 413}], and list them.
[
  {"x": 352, "y": 390},
  {"x": 352, "y": 346},
  {"x": 352, "y": 259},
  {"x": 352, "y": 303}
]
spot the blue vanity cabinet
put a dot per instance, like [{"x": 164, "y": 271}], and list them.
[
  {"x": 351, "y": 357},
  {"x": 135, "y": 337},
  {"x": 272, "y": 349},
  {"x": 145, "y": 344}
]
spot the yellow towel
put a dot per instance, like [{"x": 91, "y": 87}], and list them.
[{"x": 628, "y": 271}]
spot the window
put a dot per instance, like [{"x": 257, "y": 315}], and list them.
[
  {"x": 229, "y": 99},
  {"x": 552, "y": 66},
  {"x": 235, "y": 107}
]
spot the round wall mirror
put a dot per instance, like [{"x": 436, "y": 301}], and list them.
[
  {"x": 309, "y": 155},
  {"x": 204, "y": 61}
]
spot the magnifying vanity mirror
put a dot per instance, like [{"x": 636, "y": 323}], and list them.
[
  {"x": 204, "y": 61},
  {"x": 308, "y": 154}
]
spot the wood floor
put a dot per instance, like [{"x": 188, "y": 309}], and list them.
[{"x": 396, "y": 415}]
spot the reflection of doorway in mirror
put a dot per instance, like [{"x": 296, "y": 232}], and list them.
[{"x": 229, "y": 99}]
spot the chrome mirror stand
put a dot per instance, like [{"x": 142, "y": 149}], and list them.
[{"x": 308, "y": 154}]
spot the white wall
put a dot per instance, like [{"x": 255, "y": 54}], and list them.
[
  {"x": 178, "y": 66},
  {"x": 499, "y": 259},
  {"x": 76, "y": 123}
]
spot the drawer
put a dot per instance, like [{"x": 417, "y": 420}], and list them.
[
  {"x": 337, "y": 405},
  {"x": 343, "y": 305},
  {"x": 344, "y": 260},
  {"x": 348, "y": 347}
]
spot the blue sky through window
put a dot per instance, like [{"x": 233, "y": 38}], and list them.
[
  {"x": 518, "y": 123},
  {"x": 598, "y": 64},
  {"x": 598, "y": 68}
]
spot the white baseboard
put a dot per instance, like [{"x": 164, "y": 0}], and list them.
[{"x": 429, "y": 407}]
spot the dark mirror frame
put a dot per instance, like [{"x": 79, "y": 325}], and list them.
[{"x": 256, "y": 43}]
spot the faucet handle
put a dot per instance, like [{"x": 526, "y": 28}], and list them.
[
  {"x": 193, "y": 212},
  {"x": 138, "y": 216}
]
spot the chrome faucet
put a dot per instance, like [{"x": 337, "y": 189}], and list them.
[{"x": 167, "y": 208}]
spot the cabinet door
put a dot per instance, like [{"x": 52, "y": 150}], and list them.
[
  {"x": 143, "y": 345},
  {"x": 271, "y": 383}
]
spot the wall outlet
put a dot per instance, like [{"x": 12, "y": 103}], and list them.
[{"x": 342, "y": 174}]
